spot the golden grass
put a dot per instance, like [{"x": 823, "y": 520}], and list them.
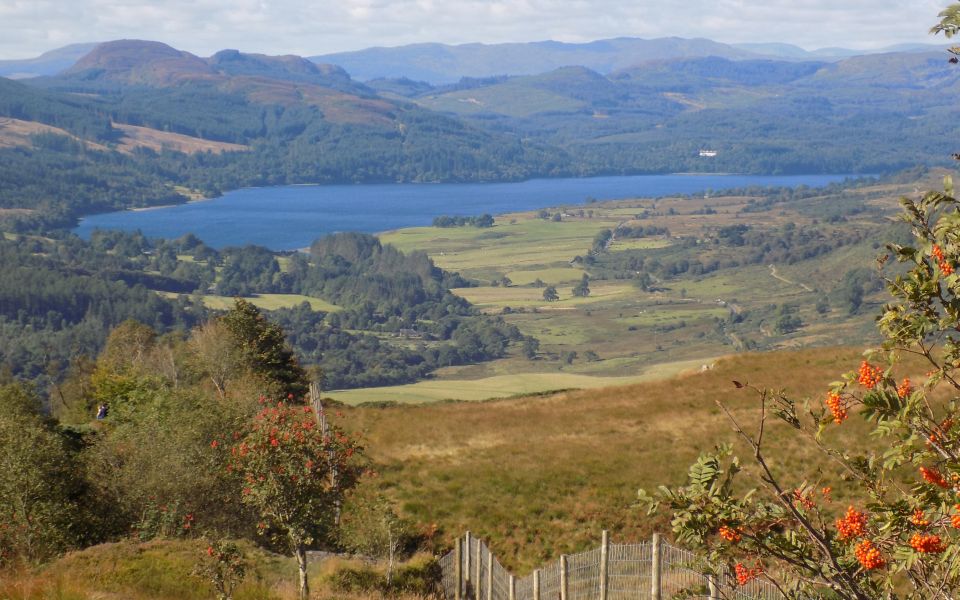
[
  {"x": 641, "y": 244},
  {"x": 542, "y": 476},
  {"x": 160, "y": 570},
  {"x": 266, "y": 301},
  {"x": 17, "y": 133},
  {"x": 144, "y": 137}
]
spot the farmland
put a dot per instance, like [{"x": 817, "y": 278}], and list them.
[{"x": 626, "y": 327}]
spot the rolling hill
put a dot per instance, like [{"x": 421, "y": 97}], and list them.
[
  {"x": 441, "y": 63},
  {"x": 762, "y": 115}
]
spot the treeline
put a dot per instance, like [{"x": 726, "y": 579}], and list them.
[
  {"x": 58, "y": 302},
  {"x": 349, "y": 359},
  {"x": 62, "y": 297},
  {"x": 148, "y": 469},
  {"x": 484, "y": 220},
  {"x": 605, "y": 237},
  {"x": 728, "y": 247}
]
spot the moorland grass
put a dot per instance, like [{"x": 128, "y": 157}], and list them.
[
  {"x": 542, "y": 476},
  {"x": 160, "y": 570}
]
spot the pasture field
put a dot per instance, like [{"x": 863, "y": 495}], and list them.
[
  {"x": 265, "y": 301},
  {"x": 501, "y": 386},
  {"x": 626, "y": 327}
]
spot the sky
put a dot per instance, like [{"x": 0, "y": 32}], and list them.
[{"x": 310, "y": 27}]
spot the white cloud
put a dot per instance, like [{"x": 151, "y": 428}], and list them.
[{"x": 29, "y": 27}]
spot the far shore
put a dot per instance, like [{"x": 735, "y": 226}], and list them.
[{"x": 159, "y": 206}]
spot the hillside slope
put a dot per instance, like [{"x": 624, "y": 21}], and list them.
[
  {"x": 442, "y": 63},
  {"x": 542, "y": 476}
]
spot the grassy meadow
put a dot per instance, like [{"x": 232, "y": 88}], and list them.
[{"x": 541, "y": 476}]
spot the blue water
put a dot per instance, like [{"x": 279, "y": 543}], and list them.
[{"x": 288, "y": 217}]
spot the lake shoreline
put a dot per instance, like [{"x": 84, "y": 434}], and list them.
[{"x": 292, "y": 217}]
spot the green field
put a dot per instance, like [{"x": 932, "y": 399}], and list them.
[
  {"x": 499, "y": 297},
  {"x": 641, "y": 244},
  {"x": 686, "y": 317},
  {"x": 501, "y": 386},
  {"x": 516, "y": 244},
  {"x": 265, "y": 301}
]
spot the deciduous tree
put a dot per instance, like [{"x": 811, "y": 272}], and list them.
[{"x": 295, "y": 476}]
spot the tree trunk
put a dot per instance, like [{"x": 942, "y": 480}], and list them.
[{"x": 301, "y": 551}]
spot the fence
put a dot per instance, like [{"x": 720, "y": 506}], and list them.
[{"x": 647, "y": 571}]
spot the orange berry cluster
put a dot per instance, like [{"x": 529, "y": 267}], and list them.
[
  {"x": 745, "y": 574},
  {"x": 869, "y": 555},
  {"x": 955, "y": 519},
  {"x": 837, "y": 409},
  {"x": 942, "y": 263},
  {"x": 927, "y": 544},
  {"x": 852, "y": 525},
  {"x": 933, "y": 476},
  {"x": 945, "y": 426},
  {"x": 729, "y": 534},
  {"x": 904, "y": 389},
  {"x": 918, "y": 519},
  {"x": 869, "y": 376}
]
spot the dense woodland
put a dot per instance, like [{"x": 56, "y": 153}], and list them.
[{"x": 62, "y": 298}]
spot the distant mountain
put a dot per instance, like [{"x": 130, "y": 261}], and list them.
[
  {"x": 138, "y": 62},
  {"x": 161, "y": 120},
  {"x": 441, "y": 63},
  {"x": 775, "y": 49},
  {"x": 48, "y": 63},
  {"x": 791, "y": 52},
  {"x": 857, "y": 114}
]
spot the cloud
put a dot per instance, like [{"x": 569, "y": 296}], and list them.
[{"x": 29, "y": 27}]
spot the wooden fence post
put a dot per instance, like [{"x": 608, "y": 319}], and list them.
[
  {"x": 513, "y": 588},
  {"x": 536, "y": 585},
  {"x": 564, "y": 581},
  {"x": 466, "y": 558},
  {"x": 604, "y": 560},
  {"x": 714, "y": 588},
  {"x": 458, "y": 570},
  {"x": 655, "y": 566},
  {"x": 489, "y": 574},
  {"x": 477, "y": 580}
]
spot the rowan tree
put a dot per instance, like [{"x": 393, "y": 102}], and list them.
[
  {"x": 900, "y": 536},
  {"x": 294, "y": 475}
]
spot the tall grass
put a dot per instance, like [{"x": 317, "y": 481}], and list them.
[
  {"x": 542, "y": 476},
  {"x": 160, "y": 570}
]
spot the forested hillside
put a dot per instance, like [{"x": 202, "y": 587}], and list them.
[
  {"x": 140, "y": 123},
  {"x": 60, "y": 300}
]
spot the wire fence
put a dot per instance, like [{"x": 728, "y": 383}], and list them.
[{"x": 651, "y": 570}]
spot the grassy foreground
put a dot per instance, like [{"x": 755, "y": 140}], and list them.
[
  {"x": 542, "y": 476},
  {"x": 160, "y": 570}
]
